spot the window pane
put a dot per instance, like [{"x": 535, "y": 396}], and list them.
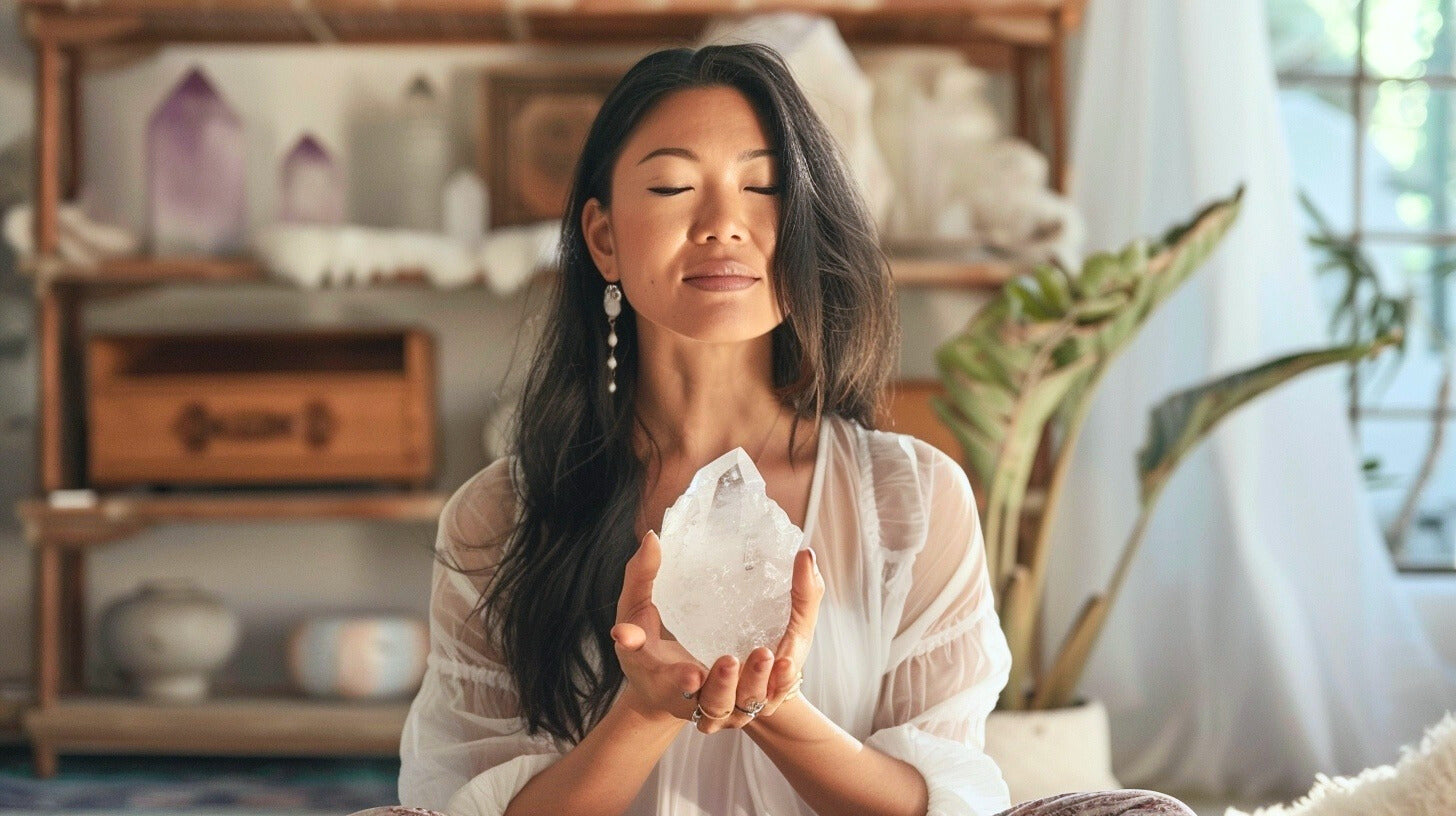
[
  {"x": 1406, "y": 383},
  {"x": 1320, "y": 128},
  {"x": 1407, "y": 38},
  {"x": 1313, "y": 35},
  {"x": 1400, "y": 445},
  {"x": 1408, "y": 158}
]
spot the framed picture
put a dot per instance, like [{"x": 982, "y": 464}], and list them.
[{"x": 535, "y": 120}]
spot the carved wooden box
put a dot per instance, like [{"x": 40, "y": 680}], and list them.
[{"x": 250, "y": 408}]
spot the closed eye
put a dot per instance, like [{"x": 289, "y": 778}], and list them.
[{"x": 671, "y": 191}]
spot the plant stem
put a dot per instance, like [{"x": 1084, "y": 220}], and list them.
[
  {"x": 1396, "y": 533},
  {"x": 1134, "y": 541},
  {"x": 1060, "y": 469}
]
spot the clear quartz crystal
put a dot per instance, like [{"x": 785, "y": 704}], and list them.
[{"x": 724, "y": 586}]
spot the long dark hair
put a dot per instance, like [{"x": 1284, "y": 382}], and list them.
[{"x": 551, "y": 601}]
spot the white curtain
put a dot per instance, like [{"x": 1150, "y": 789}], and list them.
[{"x": 1262, "y": 636}]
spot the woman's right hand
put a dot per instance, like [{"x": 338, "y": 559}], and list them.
[{"x": 659, "y": 670}]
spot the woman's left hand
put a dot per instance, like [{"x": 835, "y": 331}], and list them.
[{"x": 768, "y": 677}]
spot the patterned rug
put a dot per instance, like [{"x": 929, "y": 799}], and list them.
[{"x": 96, "y": 785}]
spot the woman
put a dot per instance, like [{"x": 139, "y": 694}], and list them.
[{"x": 721, "y": 287}]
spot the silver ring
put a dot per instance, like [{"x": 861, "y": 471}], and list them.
[
  {"x": 754, "y": 707},
  {"x": 699, "y": 713}
]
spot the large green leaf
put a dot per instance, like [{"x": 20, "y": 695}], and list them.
[{"x": 1179, "y": 422}]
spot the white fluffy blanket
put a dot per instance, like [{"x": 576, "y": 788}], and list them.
[{"x": 1422, "y": 783}]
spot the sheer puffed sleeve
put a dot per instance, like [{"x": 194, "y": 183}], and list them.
[
  {"x": 464, "y": 733},
  {"x": 948, "y": 659}
]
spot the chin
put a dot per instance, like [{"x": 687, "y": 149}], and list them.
[
  {"x": 724, "y": 328},
  {"x": 728, "y": 334}
]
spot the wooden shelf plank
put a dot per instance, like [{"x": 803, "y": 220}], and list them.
[
  {"x": 140, "y": 271},
  {"x": 255, "y": 726},
  {"x": 932, "y": 273},
  {"x": 1014, "y": 22},
  {"x": 123, "y": 273},
  {"x": 119, "y": 515},
  {"x": 143, "y": 271}
]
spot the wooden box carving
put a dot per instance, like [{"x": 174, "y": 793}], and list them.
[{"x": 255, "y": 408}]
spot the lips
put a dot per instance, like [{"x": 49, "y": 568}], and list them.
[{"x": 720, "y": 268}]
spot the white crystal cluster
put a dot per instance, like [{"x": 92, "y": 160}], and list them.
[{"x": 727, "y": 571}]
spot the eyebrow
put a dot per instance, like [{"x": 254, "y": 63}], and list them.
[{"x": 691, "y": 156}]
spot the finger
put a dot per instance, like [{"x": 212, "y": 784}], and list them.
[
  {"x": 752, "y": 685},
  {"x": 781, "y": 679},
  {"x": 717, "y": 694},
  {"x": 687, "y": 678},
  {"x": 808, "y": 591},
  {"x": 690, "y": 678},
  {"x": 629, "y": 636},
  {"x": 793, "y": 651},
  {"x": 638, "y": 577}
]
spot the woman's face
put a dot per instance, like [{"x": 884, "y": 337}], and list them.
[{"x": 695, "y": 208}]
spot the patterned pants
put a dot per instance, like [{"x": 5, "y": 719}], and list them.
[
  {"x": 1102, "y": 803},
  {"x": 1092, "y": 803}
]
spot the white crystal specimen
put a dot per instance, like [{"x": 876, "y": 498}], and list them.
[{"x": 724, "y": 586}]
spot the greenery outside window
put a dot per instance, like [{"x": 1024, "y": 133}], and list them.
[{"x": 1367, "y": 91}]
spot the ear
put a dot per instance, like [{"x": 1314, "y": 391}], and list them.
[{"x": 596, "y": 228}]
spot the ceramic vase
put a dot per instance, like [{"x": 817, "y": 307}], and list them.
[
  {"x": 399, "y": 161},
  {"x": 369, "y": 657},
  {"x": 168, "y": 637}
]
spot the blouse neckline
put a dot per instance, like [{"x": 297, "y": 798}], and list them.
[{"x": 811, "y": 513}]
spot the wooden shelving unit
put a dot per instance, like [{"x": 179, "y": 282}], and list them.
[
  {"x": 1025, "y": 38},
  {"x": 120, "y": 273},
  {"x": 116, "y": 516}
]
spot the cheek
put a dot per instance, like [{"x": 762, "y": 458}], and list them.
[
  {"x": 765, "y": 230},
  {"x": 646, "y": 246}
]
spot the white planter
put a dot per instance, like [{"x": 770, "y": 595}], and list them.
[{"x": 1043, "y": 753}]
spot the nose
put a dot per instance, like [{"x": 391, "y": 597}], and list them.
[{"x": 719, "y": 217}]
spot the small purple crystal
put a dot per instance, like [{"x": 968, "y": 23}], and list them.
[
  {"x": 312, "y": 188},
  {"x": 196, "y": 166}
]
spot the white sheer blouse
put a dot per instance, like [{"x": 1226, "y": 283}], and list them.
[{"x": 908, "y": 655}]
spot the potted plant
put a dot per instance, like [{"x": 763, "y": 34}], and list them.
[{"x": 1023, "y": 373}]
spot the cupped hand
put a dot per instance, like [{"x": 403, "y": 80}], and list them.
[
  {"x": 661, "y": 674},
  {"x": 768, "y": 676}
]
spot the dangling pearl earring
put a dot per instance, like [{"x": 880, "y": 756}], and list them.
[{"x": 612, "y": 304}]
